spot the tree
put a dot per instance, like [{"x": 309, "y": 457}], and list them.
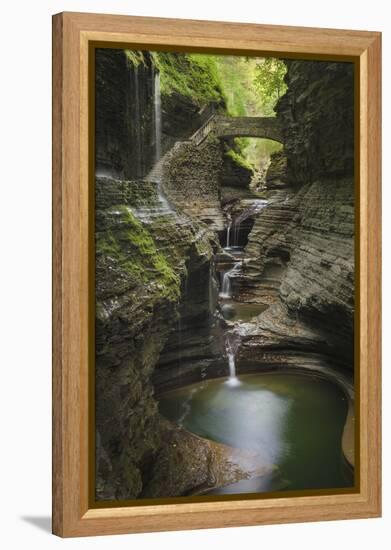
[{"x": 269, "y": 80}]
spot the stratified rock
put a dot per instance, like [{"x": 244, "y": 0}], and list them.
[
  {"x": 276, "y": 175},
  {"x": 143, "y": 253},
  {"x": 302, "y": 243},
  {"x": 317, "y": 116},
  {"x": 189, "y": 465},
  {"x": 235, "y": 174}
]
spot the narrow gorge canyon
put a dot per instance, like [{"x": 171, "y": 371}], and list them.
[{"x": 224, "y": 250}]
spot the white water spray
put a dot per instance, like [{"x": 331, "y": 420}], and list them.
[
  {"x": 137, "y": 121},
  {"x": 228, "y": 234},
  {"x": 226, "y": 286},
  {"x": 158, "y": 117},
  {"x": 231, "y": 347}
]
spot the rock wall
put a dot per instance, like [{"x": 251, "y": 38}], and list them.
[
  {"x": 124, "y": 114},
  {"x": 234, "y": 174},
  {"x": 153, "y": 274},
  {"x": 141, "y": 267},
  {"x": 302, "y": 244},
  {"x": 276, "y": 175},
  {"x": 317, "y": 118}
]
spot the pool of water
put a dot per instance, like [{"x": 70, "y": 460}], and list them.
[
  {"x": 292, "y": 421},
  {"x": 235, "y": 311}
]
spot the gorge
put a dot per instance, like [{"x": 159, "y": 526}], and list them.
[{"x": 224, "y": 288}]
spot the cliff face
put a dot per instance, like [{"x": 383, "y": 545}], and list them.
[
  {"x": 124, "y": 114},
  {"x": 302, "y": 244},
  {"x": 318, "y": 120},
  {"x": 141, "y": 269},
  {"x": 153, "y": 268},
  {"x": 126, "y": 91}
]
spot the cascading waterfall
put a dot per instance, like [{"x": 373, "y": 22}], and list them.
[
  {"x": 231, "y": 364},
  {"x": 212, "y": 305},
  {"x": 236, "y": 233},
  {"x": 158, "y": 138},
  {"x": 228, "y": 234},
  {"x": 158, "y": 117},
  {"x": 226, "y": 286},
  {"x": 255, "y": 207},
  {"x": 231, "y": 347},
  {"x": 137, "y": 126}
]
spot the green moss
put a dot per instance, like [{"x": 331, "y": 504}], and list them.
[
  {"x": 135, "y": 57},
  {"x": 239, "y": 160},
  {"x": 134, "y": 250},
  {"x": 191, "y": 75}
]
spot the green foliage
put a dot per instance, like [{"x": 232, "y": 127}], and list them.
[
  {"x": 239, "y": 159},
  {"x": 269, "y": 80},
  {"x": 242, "y": 86},
  {"x": 135, "y": 57},
  {"x": 257, "y": 151},
  {"x": 238, "y": 76},
  {"x": 191, "y": 75},
  {"x": 134, "y": 250}
]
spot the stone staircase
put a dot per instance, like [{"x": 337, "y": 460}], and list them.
[{"x": 155, "y": 175}]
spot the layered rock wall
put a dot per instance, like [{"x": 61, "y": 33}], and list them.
[
  {"x": 317, "y": 116},
  {"x": 141, "y": 267},
  {"x": 302, "y": 244}
]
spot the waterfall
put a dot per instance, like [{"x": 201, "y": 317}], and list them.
[
  {"x": 158, "y": 117},
  {"x": 231, "y": 346},
  {"x": 212, "y": 305},
  {"x": 236, "y": 233},
  {"x": 137, "y": 121},
  {"x": 231, "y": 365},
  {"x": 158, "y": 142},
  {"x": 228, "y": 232},
  {"x": 226, "y": 286},
  {"x": 255, "y": 207}
]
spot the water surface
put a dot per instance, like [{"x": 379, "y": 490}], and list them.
[
  {"x": 236, "y": 311},
  {"x": 293, "y": 421}
]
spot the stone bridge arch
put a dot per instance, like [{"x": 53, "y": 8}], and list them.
[{"x": 245, "y": 126}]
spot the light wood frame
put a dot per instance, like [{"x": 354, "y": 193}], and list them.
[{"x": 72, "y": 33}]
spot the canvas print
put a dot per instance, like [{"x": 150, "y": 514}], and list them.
[{"x": 224, "y": 276}]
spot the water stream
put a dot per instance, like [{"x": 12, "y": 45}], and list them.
[
  {"x": 155, "y": 173},
  {"x": 157, "y": 117},
  {"x": 226, "y": 285},
  {"x": 231, "y": 347},
  {"x": 137, "y": 126},
  {"x": 228, "y": 234},
  {"x": 252, "y": 209}
]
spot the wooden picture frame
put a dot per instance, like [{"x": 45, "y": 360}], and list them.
[{"x": 73, "y": 34}]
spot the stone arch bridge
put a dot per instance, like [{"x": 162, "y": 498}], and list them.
[{"x": 240, "y": 126}]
